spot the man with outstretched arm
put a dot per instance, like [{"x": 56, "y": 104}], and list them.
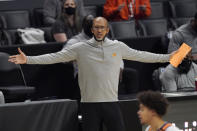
[{"x": 98, "y": 61}]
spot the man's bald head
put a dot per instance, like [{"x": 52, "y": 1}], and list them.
[{"x": 97, "y": 19}]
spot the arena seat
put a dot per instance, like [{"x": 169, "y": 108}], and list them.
[
  {"x": 12, "y": 82},
  {"x": 154, "y": 27},
  {"x": 124, "y": 29},
  {"x": 157, "y": 10},
  {"x": 183, "y": 8},
  {"x": 16, "y": 18},
  {"x": 176, "y": 22}
]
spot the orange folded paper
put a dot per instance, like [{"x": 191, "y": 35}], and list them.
[{"x": 177, "y": 58}]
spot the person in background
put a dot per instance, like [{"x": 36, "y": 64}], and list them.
[
  {"x": 183, "y": 77},
  {"x": 69, "y": 24},
  {"x": 98, "y": 61},
  {"x": 152, "y": 107},
  {"x": 118, "y": 10},
  {"x": 85, "y": 35},
  {"x": 52, "y": 10}
]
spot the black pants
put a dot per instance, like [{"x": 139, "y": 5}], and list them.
[{"x": 108, "y": 113}]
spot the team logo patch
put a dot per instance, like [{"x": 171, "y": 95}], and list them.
[{"x": 114, "y": 54}]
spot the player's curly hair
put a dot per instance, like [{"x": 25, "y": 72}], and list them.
[{"x": 154, "y": 100}]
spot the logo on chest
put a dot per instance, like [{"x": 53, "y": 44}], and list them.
[{"x": 114, "y": 54}]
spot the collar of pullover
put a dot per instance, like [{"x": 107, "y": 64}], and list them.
[{"x": 95, "y": 43}]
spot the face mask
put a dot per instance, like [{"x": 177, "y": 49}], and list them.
[{"x": 69, "y": 11}]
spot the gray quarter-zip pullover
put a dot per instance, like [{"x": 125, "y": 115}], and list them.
[{"x": 98, "y": 65}]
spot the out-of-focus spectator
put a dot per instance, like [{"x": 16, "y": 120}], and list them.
[
  {"x": 183, "y": 77},
  {"x": 52, "y": 10},
  {"x": 86, "y": 32},
  {"x": 117, "y": 10},
  {"x": 83, "y": 36},
  {"x": 69, "y": 23}
]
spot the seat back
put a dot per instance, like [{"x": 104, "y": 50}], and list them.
[
  {"x": 154, "y": 27},
  {"x": 38, "y": 17},
  {"x": 16, "y": 19},
  {"x": 91, "y": 10},
  {"x": 3, "y": 24},
  {"x": 158, "y": 0},
  {"x": 183, "y": 8},
  {"x": 176, "y": 22},
  {"x": 15, "y": 39},
  {"x": 157, "y": 10},
  {"x": 130, "y": 81},
  {"x": 123, "y": 29},
  {"x": 5, "y": 38},
  {"x": 94, "y": 2},
  {"x": 5, "y": 64},
  {"x": 12, "y": 81},
  {"x": 9, "y": 72}
]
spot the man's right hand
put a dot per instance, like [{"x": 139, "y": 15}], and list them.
[
  {"x": 121, "y": 6},
  {"x": 19, "y": 58}
]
